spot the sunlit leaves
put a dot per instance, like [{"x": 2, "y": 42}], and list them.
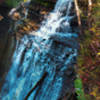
[{"x": 98, "y": 53}]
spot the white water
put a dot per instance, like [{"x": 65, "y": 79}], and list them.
[{"x": 53, "y": 49}]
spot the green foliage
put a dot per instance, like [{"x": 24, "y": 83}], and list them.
[
  {"x": 13, "y": 3},
  {"x": 44, "y": 3},
  {"x": 89, "y": 51},
  {"x": 79, "y": 89}
]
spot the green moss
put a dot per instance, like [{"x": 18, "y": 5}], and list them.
[
  {"x": 80, "y": 61},
  {"x": 79, "y": 89},
  {"x": 13, "y": 3}
]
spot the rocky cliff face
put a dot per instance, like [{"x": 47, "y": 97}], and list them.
[{"x": 6, "y": 41}]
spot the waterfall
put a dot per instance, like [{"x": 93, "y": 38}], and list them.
[{"x": 52, "y": 50}]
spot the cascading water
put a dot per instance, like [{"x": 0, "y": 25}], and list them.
[{"x": 52, "y": 50}]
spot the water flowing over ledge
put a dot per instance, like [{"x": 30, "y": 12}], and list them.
[{"x": 53, "y": 50}]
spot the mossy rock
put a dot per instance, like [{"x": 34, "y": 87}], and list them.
[{"x": 13, "y": 3}]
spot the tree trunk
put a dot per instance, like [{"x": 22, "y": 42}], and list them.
[
  {"x": 78, "y": 16},
  {"x": 89, "y": 12}
]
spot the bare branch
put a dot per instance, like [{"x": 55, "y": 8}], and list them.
[{"x": 37, "y": 84}]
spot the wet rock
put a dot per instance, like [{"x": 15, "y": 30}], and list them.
[{"x": 7, "y": 42}]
